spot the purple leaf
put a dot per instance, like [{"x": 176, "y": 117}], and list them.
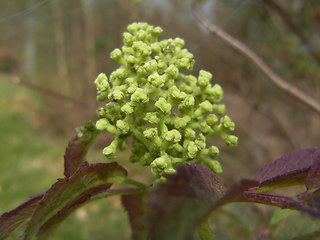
[
  {"x": 313, "y": 178},
  {"x": 289, "y": 170},
  {"x": 86, "y": 197},
  {"x": 178, "y": 205},
  {"x": 311, "y": 199},
  {"x": 78, "y": 147},
  {"x": 277, "y": 201},
  {"x": 134, "y": 205},
  {"x": 11, "y": 220},
  {"x": 67, "y": 193},
  {"x": 234, "y": 192}
]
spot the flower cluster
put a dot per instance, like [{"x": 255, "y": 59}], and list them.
[{"x": 168, "y": 114}]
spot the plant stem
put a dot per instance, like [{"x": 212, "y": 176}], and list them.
[{"x": 204, "y": 231}]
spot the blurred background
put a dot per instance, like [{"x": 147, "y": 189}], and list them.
[{"x": 52, "y": 50}]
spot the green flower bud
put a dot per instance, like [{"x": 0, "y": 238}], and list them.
[
  {"x": 179, "y": 42},
  {"x": 116, "y": 54},
  {"x": 214, "y": 151},
  {"x": 227, "y": 124},
  {"x": 103, "y": 87},
  {"x": 102, "y": 82},
  {"x": 213, "y": 165},
  {"x": 104, "y": 125},
  {"x": 150, "y": 133},
  {"x": 212, "y": 120},
  {"x": 204, "y": 127},
  {"x": 206, "y": 106},
  {"x": 162, "y": 66},
  {"x": 163, "y": 105},
  {"x": 177, "y": 94},
  {"x": 127, "y": 108},
  {"x": 123, "y": 126},
  {"x": 152, "y": 118},
  {"x": 132, "y": 59},
  {"x": 131, "y": 89},
  {"x": 181, "y": 122},
  {"x": 151, "y": 66},
  {"x": 172, "y": 71},
  {"x": 189, "y": 133},
  {"x": 200, "y": 141},
  {"x": 156, "y": 80},
  {"x": 204, "y": 78},
  {"x": 128, "y": 39},
  {"x": 141, "y": 35},
  {"x": 102, "y": 96},
  {"x": 215, "y": 93},
  {"x": 191, "y": 80},
  {"x": 187, "y": 103},
  {"x": 155, "y": 47},
  {"x": 133, "y": 28},
  {"x": 116, "y": 95},
  {"x": 230, "y": 140},
  {"x": 173, "y": 136},
  {"x": 170, "y": 170},
  {"x": 139, "y": 96},
  {"x": 110, "y": 151},
  {"x": 156, "y": 31},
  {"x": 185, "y": 63},
  {"x": 127, "y": 50},
  {"x": 219, "y": 108},
  {"x": 159, "y": 165},
  {"x": 192, "y": 150}
]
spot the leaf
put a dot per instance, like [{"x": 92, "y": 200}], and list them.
[
  {"x": 289, "y": 169},
  {"x": 177, "y": 205},
  {"x": 134, "y": 205},
  {"x": 283, "y": 202},
  {"x": 296, "y": 226},
  {"x": 313, "y": 178},
  {"x": 11, "y": 220},
  {"x": 78, "y": 147},
  {"x": 67, "y": 193}
]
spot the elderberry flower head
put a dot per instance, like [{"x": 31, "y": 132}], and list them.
[{"x": 169, "y": 114}]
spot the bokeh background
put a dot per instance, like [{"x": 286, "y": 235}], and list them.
[{"x": 52, "y": 50}]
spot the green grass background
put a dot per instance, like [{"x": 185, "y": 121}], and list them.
[{"x": 31, "y": 160}]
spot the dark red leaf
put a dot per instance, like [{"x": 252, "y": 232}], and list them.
[
  {"x": 11, "y": 220},
  {"x": 234, "y": 192},
  {"x": 69, "y": 208},
  {"x": 288, "y": 170},
  {"x": 277, "y": 201},
  {"x": 313, "y": 178},
  {"x": 78, "y": 147},
  {"x": 134, "y": 205},
  {"x": 178, "y": 205},
  {"x": 67, "y": 193}
]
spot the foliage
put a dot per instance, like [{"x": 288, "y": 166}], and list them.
[{"x": 180, "y": 204}]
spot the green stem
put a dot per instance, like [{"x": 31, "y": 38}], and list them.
[
  {"x": 136, "y": 183},
  {"x": 204, "y": 231}
]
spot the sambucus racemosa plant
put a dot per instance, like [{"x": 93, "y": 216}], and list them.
[
  {"x": 145, "y": 90},
  {"x": 169, "y": 116}
]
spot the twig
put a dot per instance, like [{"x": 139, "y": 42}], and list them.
[
  {"x": 294, "y": 28},
  {"x": 277, "y": 80},
  {"x": 48, "y": 92}
]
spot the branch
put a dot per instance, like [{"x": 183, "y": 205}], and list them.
[
  {"x": 277, "y": 80},
  {"x": 48, "y": 92},
  {"x": 294, "y": 28}
]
